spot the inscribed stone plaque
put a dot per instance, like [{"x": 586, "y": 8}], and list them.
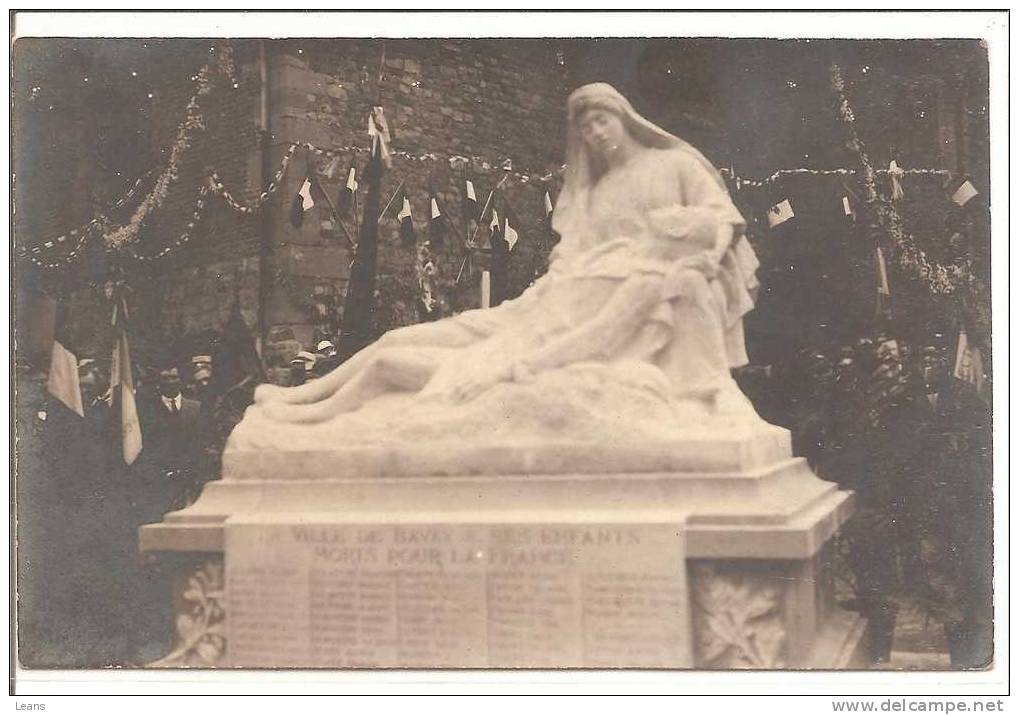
[{"x": 326, "y": 593}]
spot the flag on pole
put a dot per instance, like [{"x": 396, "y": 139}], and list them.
[
  {"x": 345, "y": 200},
  {"x": 894, "y": 175},
  {"x": 378, "y": 130},
  {"x": 964, "y": 193},
  {"x": 780, "y": 213},
  {"x": 470, "y": 200},
  {"x": 63, "y": 377},
  {"x": 407, "y": 234},
  {"x": 498, "y": 260},
  {"x": 122, "y": 378},
  {"x": 882, "y": 273},
  {"x": 305, "y": 193},
  {"x": 510, "y": 235},
  {"x": 969, "y": 364},
  {"x": 437, "y": 224},
  {"x": 494, "y": 228}
]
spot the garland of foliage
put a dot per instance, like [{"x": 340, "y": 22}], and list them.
[{"x": 941, "y": 280}]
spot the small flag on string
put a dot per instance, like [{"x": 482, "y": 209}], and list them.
[
  {"x": 780, "y": 213},
  {"x": 407, "y": 234},
  {"x": 510, "y": 235},
  {"x": 346, "y": 198},
  {"x": 964, "y": 193},
  {"x": 437, "y": 224},
  {"x": 894, "y": 175},
  {"x": 882, "y": 273},
  {"x": 302, "y": 202},
  {"x": 548, "y": 206},
  {"x": 470, "y": 200},
  {"x": 969, "y": 364}
]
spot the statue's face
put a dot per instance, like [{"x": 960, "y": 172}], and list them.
[{"x": 602, "y": 131}]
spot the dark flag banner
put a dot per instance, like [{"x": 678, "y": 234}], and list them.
[
  {"x": 358, "y": 326},
  {"x": 236, "y": 359}
]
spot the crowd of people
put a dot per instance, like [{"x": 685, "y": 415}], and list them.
[
  {"x": 87, "y": 596},
  {"x": 308, "y": 365}
]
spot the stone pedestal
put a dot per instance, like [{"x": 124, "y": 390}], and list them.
[{"x": 701, "y": 553}]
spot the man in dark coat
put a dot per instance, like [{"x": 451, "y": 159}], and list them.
[
  {"x": 174, "y": 433},
  {"x": 166, "y": 477}
]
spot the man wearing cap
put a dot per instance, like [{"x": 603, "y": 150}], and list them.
[
  {"x": 325, "y": 358},
  {"x": 201, "y": 377},
  {"x": 326, "y": 349}
]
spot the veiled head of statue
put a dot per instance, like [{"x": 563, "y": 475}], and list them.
[
  {"x": 602, "y": 96},
  {"x": 585, "y": 166}
]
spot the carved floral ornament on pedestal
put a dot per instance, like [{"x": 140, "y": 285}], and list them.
[
  {"x": 200, "y": 638},
  {"x": 737, "y": 619}
]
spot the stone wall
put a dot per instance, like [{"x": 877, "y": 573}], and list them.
[
  {"x": 493, "y": 100},
  {"x": 488, "y": 100}
]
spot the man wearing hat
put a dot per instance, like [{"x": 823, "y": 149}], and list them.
[{"x": 301, "y": 368}]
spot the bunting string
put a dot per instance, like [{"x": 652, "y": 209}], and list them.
[
  {"x": 941, "y": 277},
  {"x": 182, "y": 239},
  {"x": 117, "y": 236},
  {"x": 742, "y": 181}
]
